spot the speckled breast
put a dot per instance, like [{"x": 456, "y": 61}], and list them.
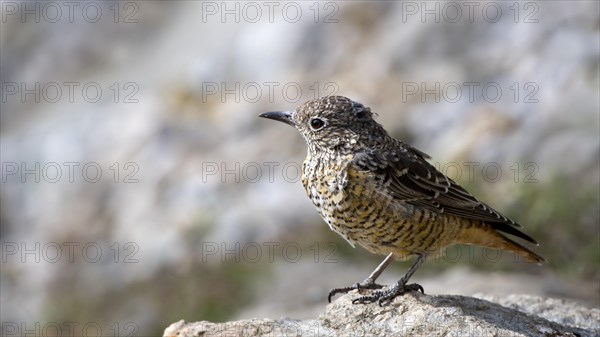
[{"x": 353, "y": 203}]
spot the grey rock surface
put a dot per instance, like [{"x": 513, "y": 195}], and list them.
[{"x": 416, "y": 314}]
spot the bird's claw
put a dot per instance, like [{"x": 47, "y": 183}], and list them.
[
  {"x": 384, "y": 297},
  {"x": 366, "y": 284}
]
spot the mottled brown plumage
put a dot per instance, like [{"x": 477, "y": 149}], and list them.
[{"x": 382, "y": 194}]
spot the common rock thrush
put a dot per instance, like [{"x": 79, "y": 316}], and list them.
[{"x": 382, "y": 194}]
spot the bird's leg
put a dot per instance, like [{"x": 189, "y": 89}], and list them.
[
  {"x": 368, "y": 283},
  {"x": 385, "y": 296}
]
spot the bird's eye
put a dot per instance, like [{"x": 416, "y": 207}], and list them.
[
  {"x": 316, "y": 123},
  {"x": 360, "y": 114}
]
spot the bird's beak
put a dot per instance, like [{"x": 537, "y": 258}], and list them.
[{"x": 282, "y": 116}]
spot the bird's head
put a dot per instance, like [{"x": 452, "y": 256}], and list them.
[{"x": 332, "y": 123}]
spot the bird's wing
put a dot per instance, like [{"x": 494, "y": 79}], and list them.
[{"x": 408, "y": 177}]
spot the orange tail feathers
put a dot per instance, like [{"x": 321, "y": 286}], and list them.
[{"x": 486, "y": 236}]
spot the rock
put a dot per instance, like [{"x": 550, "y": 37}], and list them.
[{"x": 416, "y": 314}]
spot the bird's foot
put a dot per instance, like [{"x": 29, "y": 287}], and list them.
[
  {"x": 366, "y": 284},
  {"x": 384, "y": 297}
]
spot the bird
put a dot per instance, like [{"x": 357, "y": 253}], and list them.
[{"x": 382, "y": 194}]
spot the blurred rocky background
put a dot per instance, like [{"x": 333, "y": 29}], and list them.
[{"x": 140, "y": 188}]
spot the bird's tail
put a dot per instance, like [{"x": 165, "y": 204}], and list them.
[{"x": 486, "y": 236}]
